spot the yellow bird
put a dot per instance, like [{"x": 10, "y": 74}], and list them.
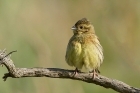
[{"x": 84, "y": 48}]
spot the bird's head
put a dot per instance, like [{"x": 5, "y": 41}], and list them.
[{"x": 83, "y": 26}]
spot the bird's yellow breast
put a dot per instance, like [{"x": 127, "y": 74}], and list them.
[{"x": 82, "y": 53}]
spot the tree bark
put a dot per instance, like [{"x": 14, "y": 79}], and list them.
[{"x": 103, "y": 81}]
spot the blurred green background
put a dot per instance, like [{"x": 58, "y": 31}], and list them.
[{"x": 40, "y": 29}]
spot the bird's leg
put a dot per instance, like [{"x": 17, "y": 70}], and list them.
[
  {"x": 94, "y": 74},
  {"x": 75, "y": 72}
]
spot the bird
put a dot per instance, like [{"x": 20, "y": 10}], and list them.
[{"x": 84, "y": 48}]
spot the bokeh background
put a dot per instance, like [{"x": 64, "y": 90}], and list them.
[{"x": 40, "y": 29}]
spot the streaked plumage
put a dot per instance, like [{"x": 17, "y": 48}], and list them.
[{"x": 84, "y": 48}]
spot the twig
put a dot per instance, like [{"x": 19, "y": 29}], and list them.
[{"x": 63, "y": 73}]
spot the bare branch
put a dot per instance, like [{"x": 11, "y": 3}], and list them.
[{"x": 62, "y": 73}]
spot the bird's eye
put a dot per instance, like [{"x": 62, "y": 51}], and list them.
[{"x": 81, "y": 27}]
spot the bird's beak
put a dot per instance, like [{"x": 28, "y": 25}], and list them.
[{"x": 73, "y": 28}]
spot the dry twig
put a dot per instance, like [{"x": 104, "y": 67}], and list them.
[{"x": 62, "y": 73}]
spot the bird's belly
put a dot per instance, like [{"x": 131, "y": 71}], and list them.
[
  {"x": 77, "y": 56},
  {"x": 84, "y": 55},
  {"x": 74, "y": 57},
  {"x": 90, "y": 57}
]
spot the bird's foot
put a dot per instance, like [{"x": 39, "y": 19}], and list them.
[
  {"x": 75, "y": 72},
  {"x": 94, "y": 74}
]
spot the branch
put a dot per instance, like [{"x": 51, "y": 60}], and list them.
[{"x": 62, "y": 73}]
